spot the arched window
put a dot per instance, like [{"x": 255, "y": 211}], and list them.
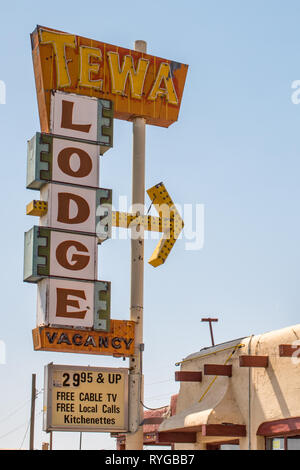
[{"x": 282, "y": 434}]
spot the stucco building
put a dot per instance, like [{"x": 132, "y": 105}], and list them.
[{"x": 244, "y": 393}]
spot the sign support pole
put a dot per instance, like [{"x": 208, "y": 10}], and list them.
[
  {"x": 32, "y": 414},
  {"x": 135, "y": 438}
]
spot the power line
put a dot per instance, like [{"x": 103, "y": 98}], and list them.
[
  {"x": 161, "y": 382},
  {"x": 14, "y": 411},
  {"x": 13, "y": 430},
  {"x": 156, "y": 397},
  {"x": 153, "y": 409},
  {"x": 21, "y": 425},
  {"x": 25, "y": 434},
  {"x": 19, "y": 407}
]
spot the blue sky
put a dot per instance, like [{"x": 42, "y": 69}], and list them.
[{"x": 235, "y": 149}]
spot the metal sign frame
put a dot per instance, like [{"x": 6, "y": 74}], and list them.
[{"x": 48, "y": 425}]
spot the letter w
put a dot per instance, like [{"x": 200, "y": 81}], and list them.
[{"x": 119, "y": 75}]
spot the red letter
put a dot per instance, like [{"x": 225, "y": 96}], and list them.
[
  {"x": 81, "y": 261},
  {"x": 63, "y": 302},
  {"x": 63, "y": 161},
  {"x": 67, "y": 118},
  {"x": 64, "y": 209}
]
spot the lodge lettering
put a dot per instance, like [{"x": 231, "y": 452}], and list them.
[
  {"x": 64, "y": 162},
  {"x": 79, "y": 261},
  {"x": 63, "y": 213}
]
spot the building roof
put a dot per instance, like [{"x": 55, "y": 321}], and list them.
[{"x": 212, "y": 349}]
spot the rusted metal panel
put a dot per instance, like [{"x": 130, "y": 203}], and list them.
[
  {"x": 218, "y": 369},
  {"x": 188, "y": 376},
  {"x": 254, "y": 361},
  {"x": 119, "y": 341},
  {"x": 139, "y": 84}
]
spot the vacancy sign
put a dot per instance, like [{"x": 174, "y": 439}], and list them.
[
  {"x": 118, "y": 341},
  {"x": 85, "y": 399},
  {"x": 137, "y": 83}
]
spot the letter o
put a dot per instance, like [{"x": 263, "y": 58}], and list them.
[{"x": 63, "y": 161}]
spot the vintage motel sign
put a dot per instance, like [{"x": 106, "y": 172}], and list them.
[
  {"x": 60, "y": 254},
  {"x": 50, "y": 252},
  {"x": 74, "y": 303},
  {"x": 61, "y": 160},
  {"x": 81, "y": 85},
  {"x": 81, "y": 117},
  {"x": 85, "y": 399},
  {"x": 119, "y": 341},
  {"x": 137, "y": 83}
]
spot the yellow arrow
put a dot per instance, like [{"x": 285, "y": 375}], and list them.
[
  {"x": 169, "y": 222},
  {"x": 167, "y": 210}
]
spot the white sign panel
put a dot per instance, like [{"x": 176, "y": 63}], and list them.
[
  {"x": 85, "y": 399},
  {"x": 75, "y": 162},
  {"x": 74, "y": 116},
  {"x": 65, "y": 303},
  {"x": 69, "y": 208},
  {"x": 73, "y": 256}
]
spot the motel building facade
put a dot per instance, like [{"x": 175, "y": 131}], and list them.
[{"x": 241, "y": 395}]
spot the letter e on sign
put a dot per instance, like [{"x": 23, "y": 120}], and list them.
[{"x": 71, "y": 303}]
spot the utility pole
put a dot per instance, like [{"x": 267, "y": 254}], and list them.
[
  {"x": 135, "y": 437},
  {"x": 33, "y": 396},
  {"x": 210, "y": 320}
]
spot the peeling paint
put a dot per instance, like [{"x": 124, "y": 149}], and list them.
[{"x": 173, "y": 67}]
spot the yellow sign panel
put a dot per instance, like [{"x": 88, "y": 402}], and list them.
[
  {"x": 138, "y": 84},
  {"x": 85, "y": 399},
  {"x": 118, "y": 341}
]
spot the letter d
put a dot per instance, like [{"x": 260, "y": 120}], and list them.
[{"x": 83, "y": 209}]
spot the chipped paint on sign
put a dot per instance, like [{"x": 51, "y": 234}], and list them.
[
  {"x": 118, "y": 341},
  {"x": 139, "y": 84}
]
